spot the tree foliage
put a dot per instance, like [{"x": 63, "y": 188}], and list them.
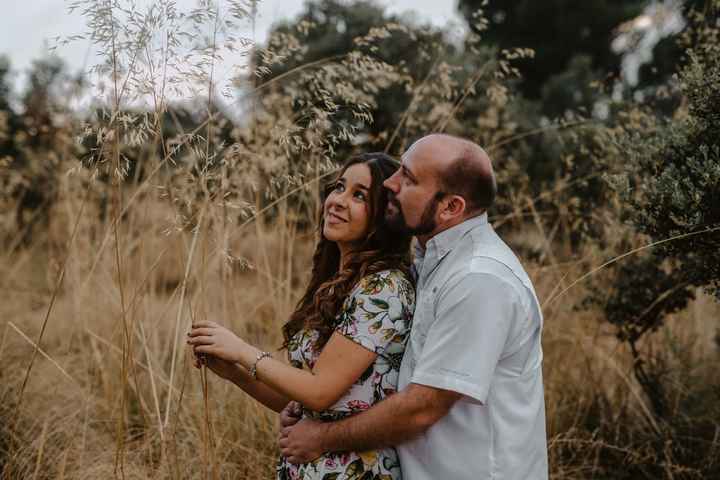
[
  {"x": 559, "y": 31},
  {"x": 34, "y": 139},
  {"x": 673, "y": 177},
  {"x": 330, "y": 30},
  {"x": 347, "y": 76}
]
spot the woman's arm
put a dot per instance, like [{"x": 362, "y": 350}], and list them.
[
  {"x": 240, "y": 377},
  {"x": 339, "y": 365}
]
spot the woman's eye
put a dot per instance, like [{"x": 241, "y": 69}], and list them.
[
  {"x": 339, "y": 187},
  {"x": 360, "y": 195}
]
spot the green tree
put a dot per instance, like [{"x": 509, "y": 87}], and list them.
[
  {"x": 9, "y": 119},
  {"x": 37, "y": 139},
  {"x": 674, "y": 176},
  {"x": 329, "y": 29},
  {"x": 558, "y": 31},
  {"x": 670, "y": 187},
  {"x": 559, "y": 88}
]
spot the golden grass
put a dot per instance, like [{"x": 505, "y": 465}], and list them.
[
  {"x": 80, "y": 417},
  {"x": 95, "y": 379}
]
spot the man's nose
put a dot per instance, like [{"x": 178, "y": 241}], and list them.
[{"x": 391, "y": 183}]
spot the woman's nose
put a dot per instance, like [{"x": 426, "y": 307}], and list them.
[{"x": 339, "y": 200}]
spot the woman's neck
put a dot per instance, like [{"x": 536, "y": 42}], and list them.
[{"x": 344, "y": 252}]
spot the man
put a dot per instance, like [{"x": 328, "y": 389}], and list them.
[{"x": 470, "y": 401}]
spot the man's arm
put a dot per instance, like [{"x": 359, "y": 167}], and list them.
[
  {"x": 461, "y": 352},
  {"x": 395, "y": 420}
]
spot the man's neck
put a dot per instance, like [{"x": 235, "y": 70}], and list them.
[{"x": 423, "y": 239}]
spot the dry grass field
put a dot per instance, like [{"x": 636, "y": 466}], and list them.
[
  {"x": 112, "y": 392},
  {"x": 151, "y": 219}
]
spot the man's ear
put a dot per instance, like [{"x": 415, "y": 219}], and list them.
[{"x": 454, "y": 208}]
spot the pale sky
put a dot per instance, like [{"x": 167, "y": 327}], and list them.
[{"x": 25, "y": 32}]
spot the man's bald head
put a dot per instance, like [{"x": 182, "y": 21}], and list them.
[{"x": 462, "y": 167}]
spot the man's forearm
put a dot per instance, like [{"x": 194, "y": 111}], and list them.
[{"x": 395, "y": 420}]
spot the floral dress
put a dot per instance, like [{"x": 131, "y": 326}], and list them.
[{"x": 377, "y": 315}]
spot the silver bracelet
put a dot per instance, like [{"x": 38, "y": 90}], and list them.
[{"x": 253, "y": 369}]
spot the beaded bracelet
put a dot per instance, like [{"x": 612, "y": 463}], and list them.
[{"x": 253, "y": 369}]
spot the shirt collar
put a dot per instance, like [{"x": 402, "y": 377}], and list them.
[{"x": 442, "y": 243}]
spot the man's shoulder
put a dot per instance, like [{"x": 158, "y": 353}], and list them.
[
  {"x": 484, "y": 259},
  {"x": 485, "y": 254},
  {"x": 481, "y": 277}
]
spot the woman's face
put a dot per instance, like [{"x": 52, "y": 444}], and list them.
[{"x": 346, "y": 212}]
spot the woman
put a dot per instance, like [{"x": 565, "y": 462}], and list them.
[{"x": 348, "y": 333}]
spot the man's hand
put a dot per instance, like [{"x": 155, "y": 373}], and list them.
[
  {"x": 290, "y": 415},
  {"x": 301, "y": 443},
  {"x": 395, "y": 420}
]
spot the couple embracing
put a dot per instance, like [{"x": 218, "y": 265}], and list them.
[{"x": 428, "y": 370}]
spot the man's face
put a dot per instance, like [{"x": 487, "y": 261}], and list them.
[{"x": 413, "y": 198}]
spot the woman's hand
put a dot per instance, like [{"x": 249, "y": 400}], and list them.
[
  {"x": 290, "y": 415},
  {"x": 215, "y": 340},
  {"x": 221, "y": 368}
]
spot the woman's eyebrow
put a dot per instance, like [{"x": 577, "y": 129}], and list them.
[{"x": 364, "y": 187}]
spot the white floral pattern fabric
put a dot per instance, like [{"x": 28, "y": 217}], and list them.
[{"x": 377, "y": 315}]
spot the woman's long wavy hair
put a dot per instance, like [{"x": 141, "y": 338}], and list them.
[{"x": 381, "y": 249}]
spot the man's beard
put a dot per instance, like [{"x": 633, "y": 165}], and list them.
[{"x": 398, "y": 224}]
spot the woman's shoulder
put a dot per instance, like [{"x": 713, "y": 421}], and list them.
[
  {"x": 392, "y": 281},
  {"x": 382, "y": 296}
]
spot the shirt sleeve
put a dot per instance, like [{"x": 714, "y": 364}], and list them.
[
  {"x": 378, "y": 313},
  {"x": 464, "y": 344}
]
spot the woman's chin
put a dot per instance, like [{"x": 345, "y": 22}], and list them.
[
  {"x": 337, "y": 236},
  {"x": 331, "y": 234}
]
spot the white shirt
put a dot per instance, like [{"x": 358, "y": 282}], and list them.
[{"x": 476, "y": 331}]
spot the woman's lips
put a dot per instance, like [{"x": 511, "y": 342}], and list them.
[{"x": 334, "y": 219}]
